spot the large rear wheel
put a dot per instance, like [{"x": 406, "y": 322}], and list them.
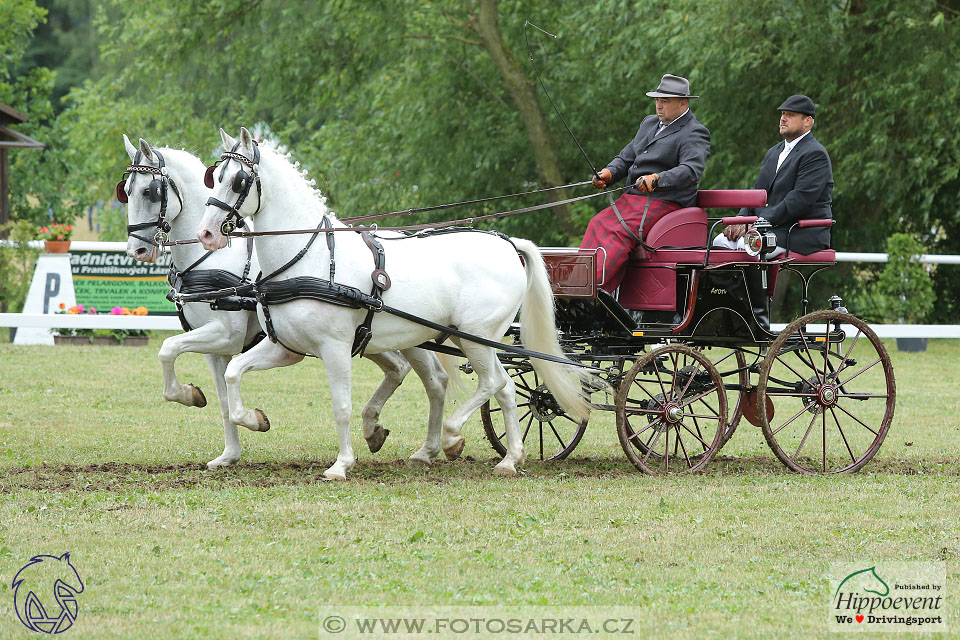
[{"x": 828, "y": 387}]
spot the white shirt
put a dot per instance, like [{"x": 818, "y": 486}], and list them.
[
  {"x": 787, "y": 148},
  {"x": 661, "y": 126}
]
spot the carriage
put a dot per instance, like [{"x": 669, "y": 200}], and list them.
[{"x": 687, "y": 350}]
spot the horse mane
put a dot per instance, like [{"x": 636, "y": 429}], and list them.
[{"x": 298, "y": 175}]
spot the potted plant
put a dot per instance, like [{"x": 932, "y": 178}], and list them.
[
  {"x": 127, "y": 337},
  {"x": 56, "y": 237},
  {"x": 904, "y": 288}
]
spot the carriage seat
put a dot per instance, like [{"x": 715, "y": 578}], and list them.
[
  {"x": 687, "y": 227},
  {"x": 680, "y": 238}
]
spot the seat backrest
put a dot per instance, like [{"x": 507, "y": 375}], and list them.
[
  {"x": 731, "y": 198},
  {"x": 680, "y": 228}
]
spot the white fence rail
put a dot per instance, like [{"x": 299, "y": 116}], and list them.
[{"x": 172, "y": 323}]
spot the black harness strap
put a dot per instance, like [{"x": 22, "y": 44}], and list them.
[{"x": 381, "y": 282}]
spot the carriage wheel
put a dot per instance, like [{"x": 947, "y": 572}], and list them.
[
  {"x": 671, "y": 411},
  {"x": 832, "y": 399},
  {"x": 548, "y": 432},
  {"x": 732, "y": 362}
]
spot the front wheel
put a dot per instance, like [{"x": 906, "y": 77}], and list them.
[
  {"x": 828, "y": 386},
  {"x": 548, "y": 432},
  {"x": 671, "y": 411}
]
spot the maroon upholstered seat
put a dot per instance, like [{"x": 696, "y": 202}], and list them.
[{"x": 825, "y": 256}]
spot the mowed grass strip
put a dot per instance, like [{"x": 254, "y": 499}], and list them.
[{"x": 94, "y": 462}]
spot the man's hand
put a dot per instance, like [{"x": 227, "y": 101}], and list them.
[
  {"x": 735, "y": 231},
  {"x": 646, "y": 184},
  {"x": 601, "y": 180}
]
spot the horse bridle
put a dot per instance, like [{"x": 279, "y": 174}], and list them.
[
  {"x": 156, "y": 192},
  {"x": 241, "y": 185}
]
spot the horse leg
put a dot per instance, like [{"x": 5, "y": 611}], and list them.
[
  {"x": 208, "y": 338},
  {"x": 434, "y": 379},
  {"x": 265, "y": 355},
  {"x": 231, "y": 440},
  {"x": 516, "y": 454},
  {"x": 395, "y": 369},
  {"x": 336, "y": 358},
  {"x": 491, "y": 379}
]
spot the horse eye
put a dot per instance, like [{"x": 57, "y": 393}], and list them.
[{"x": 146, "y": 192}]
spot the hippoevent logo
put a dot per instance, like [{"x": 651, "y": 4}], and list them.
[
  {"x": 902, "y": 596},
  {"x": 45, "y": 593}
]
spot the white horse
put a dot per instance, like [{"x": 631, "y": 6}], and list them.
[
  {"x": 472, "y": 281},
  {"x": 219, "y": 335}
]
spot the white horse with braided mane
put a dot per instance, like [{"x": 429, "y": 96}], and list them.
[
  {"x": 471, "y": 281},
  {"x": 218, "y": 334}
]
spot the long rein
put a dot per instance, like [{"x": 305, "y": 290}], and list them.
[{"x": 429, "y": 225}]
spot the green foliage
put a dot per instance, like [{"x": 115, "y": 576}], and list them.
[
  {"x": 397, "y": 105},
  {"x": 16, "y": 264},
  {"x": 904, "y": 286}
]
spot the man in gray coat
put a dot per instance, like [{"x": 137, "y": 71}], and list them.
[
  {"x": 663, "y": 162},
  {"x": 798, "y": 177}
]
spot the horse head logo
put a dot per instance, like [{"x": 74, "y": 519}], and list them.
[
  {"x": 868, "y": 581},
  {"x": 45, "y": 593}
]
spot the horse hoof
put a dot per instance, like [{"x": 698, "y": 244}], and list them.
[
  {"x": 377, "y": 438},
  {"x": 263, "y": 423},
  {"x": 454, "y": 451},
  {"x": 330, "y": 474},
  {"x": 417, "y": 463},
  {"x": 504, "y": 470},
  {"x": 221, "y": 463},
  {"x": 197, "y": 399}
]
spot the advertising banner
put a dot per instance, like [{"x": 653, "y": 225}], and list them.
[{"x": 107, "y": 279}]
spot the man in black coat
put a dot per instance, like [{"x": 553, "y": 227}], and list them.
[
  {"x": 798, "y": 177},
  {"x": 663, "y": 163}
]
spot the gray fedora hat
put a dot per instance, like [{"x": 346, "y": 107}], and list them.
[{"x": 672, "y": 87}]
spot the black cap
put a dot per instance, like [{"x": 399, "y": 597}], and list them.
[{"x": 798, "y": 104}]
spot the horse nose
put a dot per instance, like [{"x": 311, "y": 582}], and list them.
[
  {"x": 141, "y": 252},
  {"x": 206, "y": 238}
]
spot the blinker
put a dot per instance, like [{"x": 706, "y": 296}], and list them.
[{"x": 121, "y": 191}]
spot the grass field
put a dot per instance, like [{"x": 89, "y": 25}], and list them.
[{"x": 94, "y": 462}]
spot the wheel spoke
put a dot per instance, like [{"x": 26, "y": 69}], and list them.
[
  {"x": 702, "y": 441},
  {"x": 806, "y": 348},
  {"x": 804, "y": 440},
  {"x": 858, "y": 420},
  {"x": 563, "y": 445},
  {"x": 795, "y": 416},
  {"x": 859, "y": 372},
  {"x": 685, "y": 456},
  {"x": 842, "y": 434}
]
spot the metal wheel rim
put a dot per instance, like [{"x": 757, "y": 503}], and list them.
[
  {"x": 555, "y": 438},
  {"x": 833, "y": 402},
  {"x": 644, "y": 423}
]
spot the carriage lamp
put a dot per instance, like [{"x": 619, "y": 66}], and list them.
[{"x": 759, "y": 238}]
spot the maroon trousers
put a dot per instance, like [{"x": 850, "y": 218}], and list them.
[{"x": 606, "y": 231}]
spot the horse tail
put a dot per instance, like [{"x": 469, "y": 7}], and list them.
[
  {"x": 538, "y": 331},
  {"x": 451, "y": 366}
]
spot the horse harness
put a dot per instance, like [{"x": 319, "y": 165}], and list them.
[
  {"x": 265, "y": 291},
  {"x": 268, "y": 292},
  {"x": 241, "y": 185},
  {"x": 155, "y": 192}
]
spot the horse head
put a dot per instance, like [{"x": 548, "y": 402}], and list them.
[
  {"x": 237, "y": 193},
  {"x": 156, "y": 188},
  {"x": 46, "y": 580}
]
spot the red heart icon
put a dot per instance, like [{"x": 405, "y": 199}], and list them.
[{"x": 859, "y": 618}]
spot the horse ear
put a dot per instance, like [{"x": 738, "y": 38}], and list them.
[
  {"x": 228, "y": 141},
  {"x": 147, "y": 151},
  {"x": 246, "y": 138},
  {"x": 131, "y": 150}
]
